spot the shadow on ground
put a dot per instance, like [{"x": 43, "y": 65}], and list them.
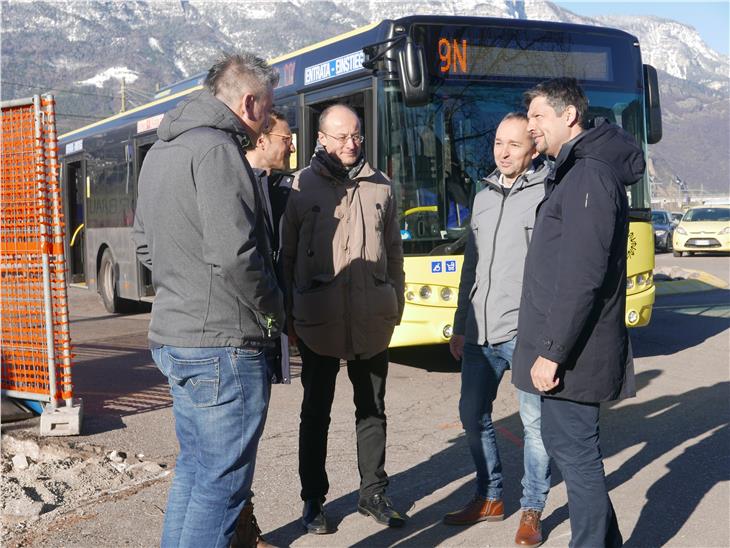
[{"x": 661, "y": 425}]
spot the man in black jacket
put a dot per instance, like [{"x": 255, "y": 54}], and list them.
[{"x": 573, "y": 346}]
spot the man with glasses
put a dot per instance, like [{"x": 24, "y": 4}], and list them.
[
  {"x": 270, "y": 163},
  {"x": 342, "y": 260}
]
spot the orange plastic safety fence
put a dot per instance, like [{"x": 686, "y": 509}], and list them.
[{"x": 36, "y": 345}]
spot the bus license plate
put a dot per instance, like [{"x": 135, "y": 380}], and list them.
[{"x": 702, "y": 242}]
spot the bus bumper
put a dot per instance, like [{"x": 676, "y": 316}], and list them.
[
  {"x": 639, "y": 307},
  {"x": 423, "y": 325}
]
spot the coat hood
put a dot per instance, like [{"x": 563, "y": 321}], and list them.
[
  {"x": 202, "y": 110},
  {"x": 607, "y": 143}
]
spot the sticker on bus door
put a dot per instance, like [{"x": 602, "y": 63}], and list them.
[
  {"x": 437, "y": 267},
  {"x": 451, "y": 266}
]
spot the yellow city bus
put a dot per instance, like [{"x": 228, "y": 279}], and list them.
[{"x": 431, "y": 91}]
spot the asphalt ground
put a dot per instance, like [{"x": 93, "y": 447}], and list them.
[{"x": 667, "y": 451}]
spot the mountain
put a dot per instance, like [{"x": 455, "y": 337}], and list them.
[{"x": 82, "y": 49}]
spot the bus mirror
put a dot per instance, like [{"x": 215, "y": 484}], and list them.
[
  {"x": 653, "y": 106},
  {"x": 412, "y": 74}
]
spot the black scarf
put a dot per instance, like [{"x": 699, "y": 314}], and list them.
[{"x": 335, "y": 167}]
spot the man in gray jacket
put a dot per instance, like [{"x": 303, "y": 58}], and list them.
[
  {"x": 200, "y": 227},
  {"x": 485, "y": 327}
]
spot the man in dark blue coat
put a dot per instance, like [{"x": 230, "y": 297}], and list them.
[{"x": 573, "y": 346}]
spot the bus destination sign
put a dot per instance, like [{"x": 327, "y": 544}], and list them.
[{"x": 462, "y": 57}]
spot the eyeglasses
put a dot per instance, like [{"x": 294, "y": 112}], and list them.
[
  {"x": 357, "y": 139},
  {"x": 286, "y": 138}
]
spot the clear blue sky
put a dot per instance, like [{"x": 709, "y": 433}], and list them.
[{"x": 711, "y": 19}]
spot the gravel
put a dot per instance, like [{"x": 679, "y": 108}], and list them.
[{"x": 45, "y": 476}]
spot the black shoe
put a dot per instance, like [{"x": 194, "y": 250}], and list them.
[
  {"x": 381, "y": 509},
  {"x": 314, "y": 519}
]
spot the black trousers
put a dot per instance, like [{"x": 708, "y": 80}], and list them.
[
  {"x": 571, "y": 436},
  {"x": 319, "y": 374}
]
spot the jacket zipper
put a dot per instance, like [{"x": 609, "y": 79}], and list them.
[{"x": 491, "y": 261}]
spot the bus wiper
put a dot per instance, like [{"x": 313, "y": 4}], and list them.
[{"x": 453, "y": 248}]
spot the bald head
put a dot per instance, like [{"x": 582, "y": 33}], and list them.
[
  {"x": 339, "y": 133},
  {"x": 339, "y": 111}
]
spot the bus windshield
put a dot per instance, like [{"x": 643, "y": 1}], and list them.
[{"x": 438, "y": 155}]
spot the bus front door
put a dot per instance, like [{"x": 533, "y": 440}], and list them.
[{"x": 75, "y": 218}]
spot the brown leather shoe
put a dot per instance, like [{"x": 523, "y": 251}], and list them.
[
  {"x": 248, "y": 533},
  {"x": 529, "y": 533},
  {"x": 477, "y": 510}
]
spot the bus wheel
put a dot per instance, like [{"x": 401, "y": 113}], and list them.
[
  {"x": 677, "y": 253},
  {"x": 107, "y": 285}
]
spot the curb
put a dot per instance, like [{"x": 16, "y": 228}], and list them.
[{"x": 696, "y": 281}]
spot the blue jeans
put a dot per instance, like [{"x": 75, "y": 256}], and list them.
[
  {"x": 219, "y": 399},
  {"x": 482, "y": 369}
]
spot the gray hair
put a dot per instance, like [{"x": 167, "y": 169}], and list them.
[{"x": 235, "y": 74}]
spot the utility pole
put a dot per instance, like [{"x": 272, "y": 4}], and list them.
[{"x": 124, "y": 96}]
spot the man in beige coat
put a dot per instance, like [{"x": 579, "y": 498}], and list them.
[{"x": 342, "y": 259}]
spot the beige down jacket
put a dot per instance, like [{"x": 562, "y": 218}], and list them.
[{"x": 342, "y": 259}]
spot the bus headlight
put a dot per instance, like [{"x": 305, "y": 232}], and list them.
[
  {"x": 629, "y": 283},
  {"x": 640, "y": 279},
  {"x": 680, "y": 230},
  {"x": 448, "y": 331},
  {"x": 446, "y": 293},
  {"x": 410, "y": 295},
  {"x": 632, "y": 317},
  {"x": 725, "y": 230},
  {"x": 425, "y": 292}
]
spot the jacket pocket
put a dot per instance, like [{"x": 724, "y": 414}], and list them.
[
  {"x": 528, "y": 235},
  {"x": 249, "y": 322},
  {"x": 199, "y": 378},
  {"x": 383, "y": 302},
  {"x": 473, "y": 291},
  {"x": 318, "y": 304}
]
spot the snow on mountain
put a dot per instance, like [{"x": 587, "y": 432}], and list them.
[
  {"x": 91, "y": 45},
  {"x": 155, "y": 44},
  {"x": 116, "y": 73}
]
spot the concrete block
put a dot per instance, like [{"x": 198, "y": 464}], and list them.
[{"x": 62, "y": 421}]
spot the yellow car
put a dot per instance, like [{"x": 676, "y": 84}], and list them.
[{"x": 705, "y": 229}]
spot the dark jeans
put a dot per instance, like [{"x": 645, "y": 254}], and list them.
[
  {"x": 571, "y": 436},
  {"x": 319, "y": 374}
]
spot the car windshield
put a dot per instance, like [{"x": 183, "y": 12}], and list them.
[
  {"x": 658, "y": 217},
  {"x": 708, "y": 214}
]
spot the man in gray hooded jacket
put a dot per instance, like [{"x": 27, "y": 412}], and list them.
[
  {"x": 485, "y": 326},
  {"x": 200, "y": 227}
]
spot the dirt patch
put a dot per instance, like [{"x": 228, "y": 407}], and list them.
[{"x": 43, "y": 478}]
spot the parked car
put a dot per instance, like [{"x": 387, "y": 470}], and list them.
[
  {"x": 703, "y": 229},
  {"x": 676, "y": 217},
  {"x": 663, "y": 229}
]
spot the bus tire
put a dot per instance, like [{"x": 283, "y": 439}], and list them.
[
  {"x": 677, "y": 253},
  {"x": 108, "y": 283}
]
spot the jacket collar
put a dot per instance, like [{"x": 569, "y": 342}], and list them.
[
  {"x": 534, "y": 175},
  {"x": 324, "y": 165}
]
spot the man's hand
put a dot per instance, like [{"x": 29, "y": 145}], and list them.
[
  {"x": 543, "y": 374},
  {"x": 456, "y": 346}
]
